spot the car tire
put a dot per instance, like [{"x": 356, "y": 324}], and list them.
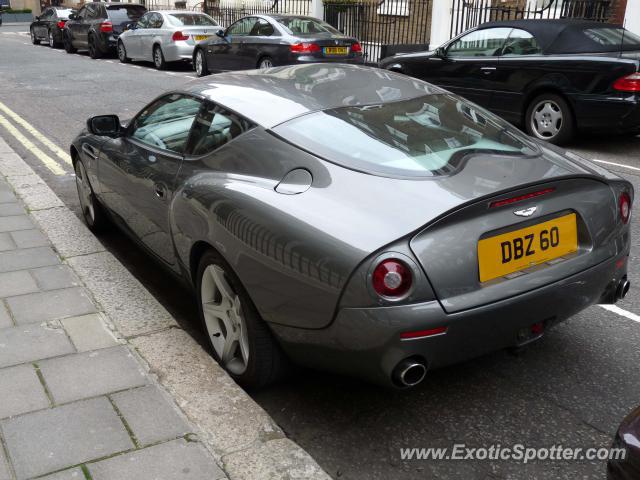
[
  {"x": 94, "y": 215},
  {"x": 66, "y": 42},
  {"x": 549, "y": 117},
  {"x": 94, "y": 51},
  {"x": 34, "y": 39},
  {"x": 158, "y": 58},
  {"x": 122, "y": 53},
  {"x": 52, "y": 40},
  {"x": 265, "y": 62},
  {"x": 200, "y": 63},
  {"x": 240, "y": 341}
]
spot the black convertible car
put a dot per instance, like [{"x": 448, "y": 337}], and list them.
[{"x": 552, "y": 77}]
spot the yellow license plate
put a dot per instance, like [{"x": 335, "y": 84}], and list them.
[
  {"x": 507, "y": 253},
  {"x": 201, "y": 37},
  {"x": 336, "y": 50}
]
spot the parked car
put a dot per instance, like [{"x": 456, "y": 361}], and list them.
[
  {"x": 97, "y": 26},
  {"x": 165, "y": 36},
  {"x": 358, "y": 220},
  {"x": 551, "y": 77},
  {"x": 263, "y": 41},
  {"x": 627, "y": 438},
  {"x": 49, "y": 25}
]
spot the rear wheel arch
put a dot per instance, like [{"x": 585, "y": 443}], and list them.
[{"x": 74, "y": 155}]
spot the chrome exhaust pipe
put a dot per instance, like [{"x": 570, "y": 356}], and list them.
[
  {"x": 409, "y": 373},
  {"x": 623, "y": 289}
]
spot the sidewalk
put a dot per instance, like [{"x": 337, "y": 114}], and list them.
[{"x": 92, "y": 368}]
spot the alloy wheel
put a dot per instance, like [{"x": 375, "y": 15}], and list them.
[
  {"x": 84, "y": 193},
  {"x": 546, "y": 119},
  {"x": 224, "y": 319},
  {"x": 199, "y": 63},
  {"x": 52, "y": 42},
  {"x": 266, "y": 63},
  {"x": 122, "y": 53},
  {"x": 157, "y": 58}
]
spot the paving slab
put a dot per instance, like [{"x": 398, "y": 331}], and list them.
[
  {"x": 30, "y": 238},
  {"x": 5, "y": 319},
  {"x": 55, "y": 277},
  {"x": 52, "y": 439},
  {"x": 15, "y": 222},
  {"x": 9, "y": 209},
  {"x": 16, "y": 283},
  {"x": 67, "y": 233},
  {"x": 176, "y": 460},
  {"x": 6, "y": 242},
  {"x": 150, "y": 414},
  {"x": 50, "y": 305},
  {"x": 24, "y": 258},
  {"x": 92, "y": 373},
  {"x": 20, "y": 391},
  {"x": 122, "y": 297},
  {"x": 4, "y": 467},
  {"x": 271, "y": 460},
  {"x": 12, "y": 165},
  {"x": 89, "y": 332},
  {"x": 71, "y": 474},
  {"x": 36, "y": 194},
  {"x": 29, "y": 343}
]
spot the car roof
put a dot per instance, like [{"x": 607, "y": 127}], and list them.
[
  {"x": 182, "y": 12},
  {"x": 557, "y": 35},
  {"x": 273, "y": 96}
]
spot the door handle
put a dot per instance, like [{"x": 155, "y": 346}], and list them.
[
  {"x": 159, "y": 190},
  {"x": 89, "y": 150},
  {"x": 487, "y": 70}
]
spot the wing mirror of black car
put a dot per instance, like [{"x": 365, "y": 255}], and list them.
[
  {"x": 72, "y": 16},
  {"x": 220, "y": 33},
  {"x": 440, "y": 52},
  {"x": 105, "y": 125}
]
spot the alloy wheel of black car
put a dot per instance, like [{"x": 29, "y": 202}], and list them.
[
  {"x": 34, "y": 39},
  {"x": 92, "y": 212},
  {"x": 52, "y": 41},
  {"x": 549, "y": 118},
  {"x": 200, "y": 64},
  {"x": 94, "y": 51},
  {"x": 240, "y": 340},
  {"x": 68, "y": 46},
  {"x": 265, "y": 62},
  {"x": 158, "y": 58},
  {"x": 122, "y": 53}
]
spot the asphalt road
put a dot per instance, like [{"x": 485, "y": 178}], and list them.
[{"x": 571, "y": 388}]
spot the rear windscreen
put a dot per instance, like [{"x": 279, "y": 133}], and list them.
[
  {"x": 191, "y": 19},
  {"x": 305, "y": 26},
  {"x": 122, "y": 13},
  {"x": 64, "y": 13},
  {"x": 613, "y": 37},
  {"x": 421, "y": 137}
]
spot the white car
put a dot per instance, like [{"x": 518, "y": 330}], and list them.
[{"x": 165, "y": 36}]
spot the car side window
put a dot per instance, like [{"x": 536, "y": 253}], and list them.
[
  {"x": 155, "y": 20},
  {"x": 82, "y": 14},
  {"x": 242, "y": 27},
  {"x": 262, "y": 28},
  {"x": 521, "y": 43},
  {"x": 92, "y": 12},
  {"x": 46, "y": 15},
  {"x": 486, "y": 42},
  {"x": 214, "y": 127},
  {"x": 166, "y": 123}
]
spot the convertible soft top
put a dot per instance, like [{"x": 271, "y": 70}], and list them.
[{"x": 565, "y": 35}]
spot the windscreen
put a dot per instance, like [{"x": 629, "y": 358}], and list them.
[
  {"x": 123, "y": 13},
  {"x": 191, "y": 20},
  {"x": 421, "y": 137},
  {"x": 305, "y": 26}
]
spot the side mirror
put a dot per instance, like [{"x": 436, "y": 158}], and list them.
[
  {"x": 105, "y": 125},
  {"x": 131, "y": 26},
  {"x": 37, "y": 18},
  {"x": 220, "y": 33},
  {"x": 441, "y": 52},
  {"x": 72, "y": 16}
]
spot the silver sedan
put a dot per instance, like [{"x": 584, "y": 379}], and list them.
[{"x": 165, "y": 36}]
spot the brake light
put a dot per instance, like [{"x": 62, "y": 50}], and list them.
[
  {"x": 423, "y": 333},
  {"x": 625, "y": 207},
  {"x": 520, "y": 198},
  {"x": 304, "y": 47},
  {"x": 106, "y": 27},
  {"x": 61, "y": 23},
  {"x": 179, "y": 36},
  {"x": 392, "y": 278},
  {"x": 628, "y": 83},
  {"x": 356, "y": 48}
]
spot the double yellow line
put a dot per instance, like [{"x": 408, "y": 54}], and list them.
[{"x": 56, "y": 166}]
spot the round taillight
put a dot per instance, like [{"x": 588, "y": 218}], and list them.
[
  {"x": 392, "y": 278},
  {"x": 625, "y": 207}
]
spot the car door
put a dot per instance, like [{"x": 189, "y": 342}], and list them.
[
  {"x": 521, "y": 65},
  {"x": 132, "y": 38},
  {"x": 467, "y": 65},
  {"x": 40, "y": 27},
  {"x": 137, "y": 172},
  {"x": 224, "y": 54},
  {"x": 148, "y": 35},
  {"x": 256, "y": 43},
  {"x": 82, "y": 35}
]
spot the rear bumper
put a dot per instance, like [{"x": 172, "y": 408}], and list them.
[
  {"x": 303, "y": 59},
  {"x": 616, "y": 114},
  {"x": 178, "y": 51},
  {"x": 365, "y": 342}
]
